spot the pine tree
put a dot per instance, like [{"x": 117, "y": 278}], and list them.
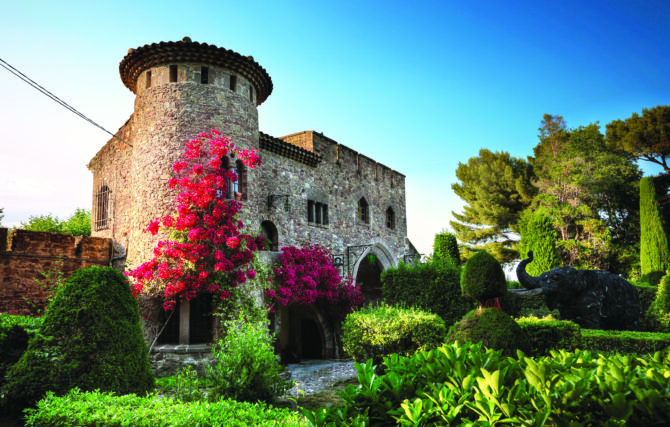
[
  {"x": 538, "y": 235},
  {"x": 654, "y": 253}
]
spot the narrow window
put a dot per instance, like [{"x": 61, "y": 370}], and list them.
[
  {"x": 390, "y": 218},
  {"x": 310, "y": 211},
  {"x": 325, "y": 214},
  {"x": 204, "y": 75},
  {"x": 233, "y": 83},
  {"x": 269, "y": 231},
  {"x": 173, "y": 73},
  {"x": 102, "y": 208},
  {"x": 251, "y": 93},
  {"x": 241, "y": 183},
  {"x": 363, "y": 211},
  {"x": 318, "y": 213},
  {"x": 148, "y": 79}
]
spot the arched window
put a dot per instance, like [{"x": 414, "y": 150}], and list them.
[
  {"x": 363, "y": 211},
  {"x": 103, "y": 208},
  {"x": 238, "y": 186},
  {"x": 241, "y": 183},
  {"x": 269, "y": 231},
  {"x": 390, "y": 218}
]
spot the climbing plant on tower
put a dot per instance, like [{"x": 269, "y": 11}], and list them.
[{"x": 206, "y": 251}]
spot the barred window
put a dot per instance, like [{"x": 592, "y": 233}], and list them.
[
  {"x": 317, "y": 213},
  {"x": 103, "y": 199}
]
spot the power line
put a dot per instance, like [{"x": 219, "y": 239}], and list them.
[{"x": 4, "y": 64}]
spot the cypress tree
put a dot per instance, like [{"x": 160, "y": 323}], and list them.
[
  {"x": 538, "y": 235},
  {"x": 445, "y": 248},
  {"x": 654, "y": 253}
]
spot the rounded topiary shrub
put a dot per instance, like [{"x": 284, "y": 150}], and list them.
[
  {"x": 483, "y": 278},
  {"x": 378, "y": 332},
  {"x": 91, "y": 338},
  {"x": 494, "y": 328}
]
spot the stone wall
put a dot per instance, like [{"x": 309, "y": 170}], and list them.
[{"x": 29, "y": 253}]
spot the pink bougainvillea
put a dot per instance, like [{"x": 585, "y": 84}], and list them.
[
  {"x": 211, "y": 254},
  {"x": 306, "y": 276}
]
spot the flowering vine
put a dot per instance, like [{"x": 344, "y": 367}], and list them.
[
  {"x": 206, "y": 250},
  {"x": 306, "y": 276}
]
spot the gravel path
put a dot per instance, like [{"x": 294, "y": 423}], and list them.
[{"x": 314, "y": 376}]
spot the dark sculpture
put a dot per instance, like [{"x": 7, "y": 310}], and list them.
[{"x": 591, "y": 298}]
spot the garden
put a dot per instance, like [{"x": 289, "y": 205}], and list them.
[{"x": 449, "y": 344}]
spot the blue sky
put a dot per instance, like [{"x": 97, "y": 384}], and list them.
[{"x": 418, "y": 86}]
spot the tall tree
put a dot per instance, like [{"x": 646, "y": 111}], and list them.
[
  {"x": 654, "y": 252},
  {"x": 497, "y": 188},
  {"x": 589, "y": 191},
  {"x": 645, "y": 137},
  {"x": 538, "y": 235}
]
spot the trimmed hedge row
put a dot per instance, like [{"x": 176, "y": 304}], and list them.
[
  {"x": 627, "y": 342},
  {"x": 549, "y": 334},
  {"x": 461, "y": 385},
  {"x": 434, "y": 287},
  {"x": 97, "y": 409},
  {"x": 378, "y": 332}
]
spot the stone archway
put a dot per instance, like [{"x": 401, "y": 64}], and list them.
[
  {"x": 368, "y": 270},
  {"x": 304, "y": 332}
]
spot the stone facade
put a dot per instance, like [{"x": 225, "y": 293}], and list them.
[
  {"x": 336, "y": 197},
  {"x": 30, "y": 253}
]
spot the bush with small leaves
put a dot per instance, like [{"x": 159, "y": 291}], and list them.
[{"x": 483, "y": 278}]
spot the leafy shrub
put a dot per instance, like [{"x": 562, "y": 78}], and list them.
[
  {"x": 483, "y": 278},
  {"x": 376, "y": 332},
  {"x": 91, "y": 338},
  {"x": 15, "y": 331},
  {"x": 445, "y": 248},
  {"x": 78, "y": 224},
  {"x": 538, "y": 235},
  {"x": 495, "y": 328},
  {"x": 461, "y": 385},
  {"x": 434, "y": 287},
  {"x": 647, "y": 294},
  {"x": 549, "y": 334},
  {"x": 97, "y": 409},
  {"x": 628, "y": 342},
  {"x": 658, "y": 314},
  {"x": 247, "y": 368}
]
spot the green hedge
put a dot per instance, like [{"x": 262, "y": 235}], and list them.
[
  {"x": 106, "y": 409},
  {"x": 465, "y": 386},
  {"x": 377, "y": 332},
  {"x": 434, "y": 287},
  {"x": 626, "y": 342},
  {"x": 15, "y": 332},
  {"x": 549, "y": 334}
]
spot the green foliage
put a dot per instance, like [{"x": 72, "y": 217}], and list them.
[
  {"x": 654, "y": 252},
  {"x": 91, "y": 338},
  {"x": 496, "y": 189},
  {"x": 494, "y": 328},
  {"x": 483, "y": 278},
  {"x": 51, "y": 283},
  {"x": 15, "y": 331},
  {"x": 548, "y": 334},
  {"x": 461, "y": 385},
  {"x": 643, "y": 137},
  {"x": 433, "y": 286},
  {"x": 377, "y": 332},
  {"x": 658, "y": 314},
  {"x": 647, "y": 294},
  {"x": 538, "y": 235},
  {"x": 246, "y": 367},
  {"x": 445, "y": 248},
  {"x": 628, "y": 342},
  {"x": 591, "y": 194},
  {"x": 106, "y": 409},
  {"x": 78, "y": 224},
  {"x": 1, "y": 215}
]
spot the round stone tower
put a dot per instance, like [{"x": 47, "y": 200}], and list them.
[{"x": 182, "y": 88}]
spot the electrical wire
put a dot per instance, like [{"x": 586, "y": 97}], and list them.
[{"x": 4, "y": 64}]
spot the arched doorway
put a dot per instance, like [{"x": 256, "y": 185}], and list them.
[
  {"x": 269, "y": 231},
  {"x": 303, "y": 332},
  {"x": 369, "y": 279}
]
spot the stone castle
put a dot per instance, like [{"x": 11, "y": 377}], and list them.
[{"x": 310, "y": 189}]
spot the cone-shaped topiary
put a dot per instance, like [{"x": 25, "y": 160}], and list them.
[
  {"x": 483, "y": 278},
  {"x": 496, "y": 329},
  {"x": 658, "y": 314},
  {"x": 654, "y": 251},
  {"x": 91, "y": 338},
  {"x": 445, "y": 248}
]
